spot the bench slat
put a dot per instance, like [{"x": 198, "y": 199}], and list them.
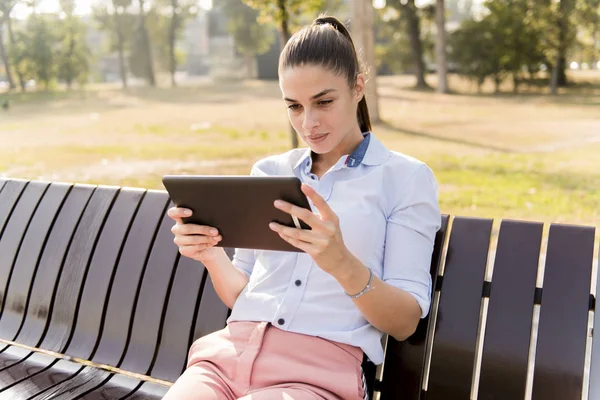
[
  {"x": 46, "y": 276},
  {"x": 128, "y": 278},
  {"x": 85, "y": 379},
  {"x": 594, "y": 389},
  {"x": 405, "y": 361},
  {"x": 29, "y": 365},
  {"x": 50, "y": 381},
  {"x": 170, "y": 361},
  {"x": 212, "y": 312},
  {"x": 10, "y": 245},
  {"x": 35, "y": 298},
  {"x": 150, "y": 391},
  {"x": 117, "y": 387},
  {"x": 96, "y": 287},
  {"x": 72, "y": 273},
  {"x": 11, "y": 191},
  {"x": 152, "y": 300},
  {"x": 562, "y": 334},
  {"x": 509, "y": 318},
  {"x": 17, "y": 290},
  {"x": 38, "y": 382},
  {"x": 455, "y": 336},
  {"x": 12, "y": 360}
]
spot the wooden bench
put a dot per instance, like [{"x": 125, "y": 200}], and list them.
[{"x": 96, "y": 303}]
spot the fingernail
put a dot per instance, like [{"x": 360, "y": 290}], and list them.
[
  {"x": 187, "y": 213},
  {"x": 213, "y": 231},
  {"x": 278, "y": 203}
]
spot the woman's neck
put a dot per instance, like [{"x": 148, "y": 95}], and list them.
[{"x": 323, "y": 162}]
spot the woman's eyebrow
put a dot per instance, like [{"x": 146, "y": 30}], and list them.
[{"x": 316, "y": 96}]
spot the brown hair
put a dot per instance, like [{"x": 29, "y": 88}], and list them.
[{"x": 327, "y": 42}]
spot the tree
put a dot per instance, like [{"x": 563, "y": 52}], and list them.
[
  {"x": 364, "y": 39},
  {"x": 506, "y": 42},
  {"x": 473, "y": 49},
  {"x": 405, "y": 15},
  {"x": 115, "y": 18},
  {"x": 403, "y": 42},
  {"x": 73, "y": 55},
  {"x": 588, "y": 19},
  {"x": 39, "y": 40},
  {"x": 250, "y": 37},
  {"x": 587, "y": 44},
  {"x": 565, "y": 37},
  {"x": 140, "y": 59},
  {"x": 440, "y": 47},
  {"x": 165, "y": 24},
  {"x": 414, "y": 33},
  {"x": 6, "y": 7},
  {"x": 3, "y": 51}
]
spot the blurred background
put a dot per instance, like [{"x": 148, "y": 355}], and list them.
[{"x": 500, "y": 97}]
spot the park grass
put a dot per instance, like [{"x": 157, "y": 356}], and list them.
[{"x": 531, "y": 156}]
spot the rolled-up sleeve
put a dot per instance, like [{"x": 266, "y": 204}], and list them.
[
  {"x": 244, "y": 259},
  {"x": 410, "y": 235}
]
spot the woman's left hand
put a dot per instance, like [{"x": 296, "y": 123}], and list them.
[{"x": 324, "y": 243}]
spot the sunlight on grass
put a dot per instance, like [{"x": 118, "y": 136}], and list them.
[{"x": 516, "y": 187}]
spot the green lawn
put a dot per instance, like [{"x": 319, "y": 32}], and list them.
[{"x": 531, "y": 156}]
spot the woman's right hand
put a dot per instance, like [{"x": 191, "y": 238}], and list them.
[{"x": 198, "y": 242}]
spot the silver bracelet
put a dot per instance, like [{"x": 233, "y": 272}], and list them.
[{"x": 366, "y": 289}]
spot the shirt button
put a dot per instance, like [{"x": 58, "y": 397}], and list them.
[
  {"x": 298, "y": 282},
  {"x": 281, "y": 321}
]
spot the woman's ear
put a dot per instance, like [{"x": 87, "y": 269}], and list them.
[{"x": 359, "y": 88}]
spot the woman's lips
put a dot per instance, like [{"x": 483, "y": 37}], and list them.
[{"x": 316, "y": 138}]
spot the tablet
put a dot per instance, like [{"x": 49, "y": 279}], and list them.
[{"x": 240, "y": 207}]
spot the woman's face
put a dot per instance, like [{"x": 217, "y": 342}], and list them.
[{"x": 321, "y": 106}]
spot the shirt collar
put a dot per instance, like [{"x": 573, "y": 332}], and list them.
[{"x": 369, "y": 152}]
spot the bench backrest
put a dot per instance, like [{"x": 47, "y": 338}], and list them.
[
  {"x": 93, "y": 272},
  {"x": 508, "y": 306}
]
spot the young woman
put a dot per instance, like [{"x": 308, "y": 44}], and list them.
[{"x": 302, "y": 321}]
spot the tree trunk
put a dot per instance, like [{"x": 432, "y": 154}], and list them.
[
  {"x": 250, "y": 66},
  {"x": 121, "y": 50},
  {"x": 559, "y": 76},
  {"x": 440, "y": 46},
  {"x": 284, "y": 36},
  {"x": 5, "y": 60},
  {"x": 284, "y": 29},
  {"x": 13, "y": 41},
  {"x": 146, "y": 46},
  {"x": 172, "y": 37},
  {"x": 414, "y": 32},
  {"x": 596, "y": 44},
  {"x": 554, "y": 77},
  {"x": 364, "y": 39}
]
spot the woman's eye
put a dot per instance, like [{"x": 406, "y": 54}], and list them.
[
  {"x": 325, "y": 102},
  {"x": 294, "y": 107}
]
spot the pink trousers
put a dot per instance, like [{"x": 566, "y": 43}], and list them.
[{"x": 257, "y": 361}]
